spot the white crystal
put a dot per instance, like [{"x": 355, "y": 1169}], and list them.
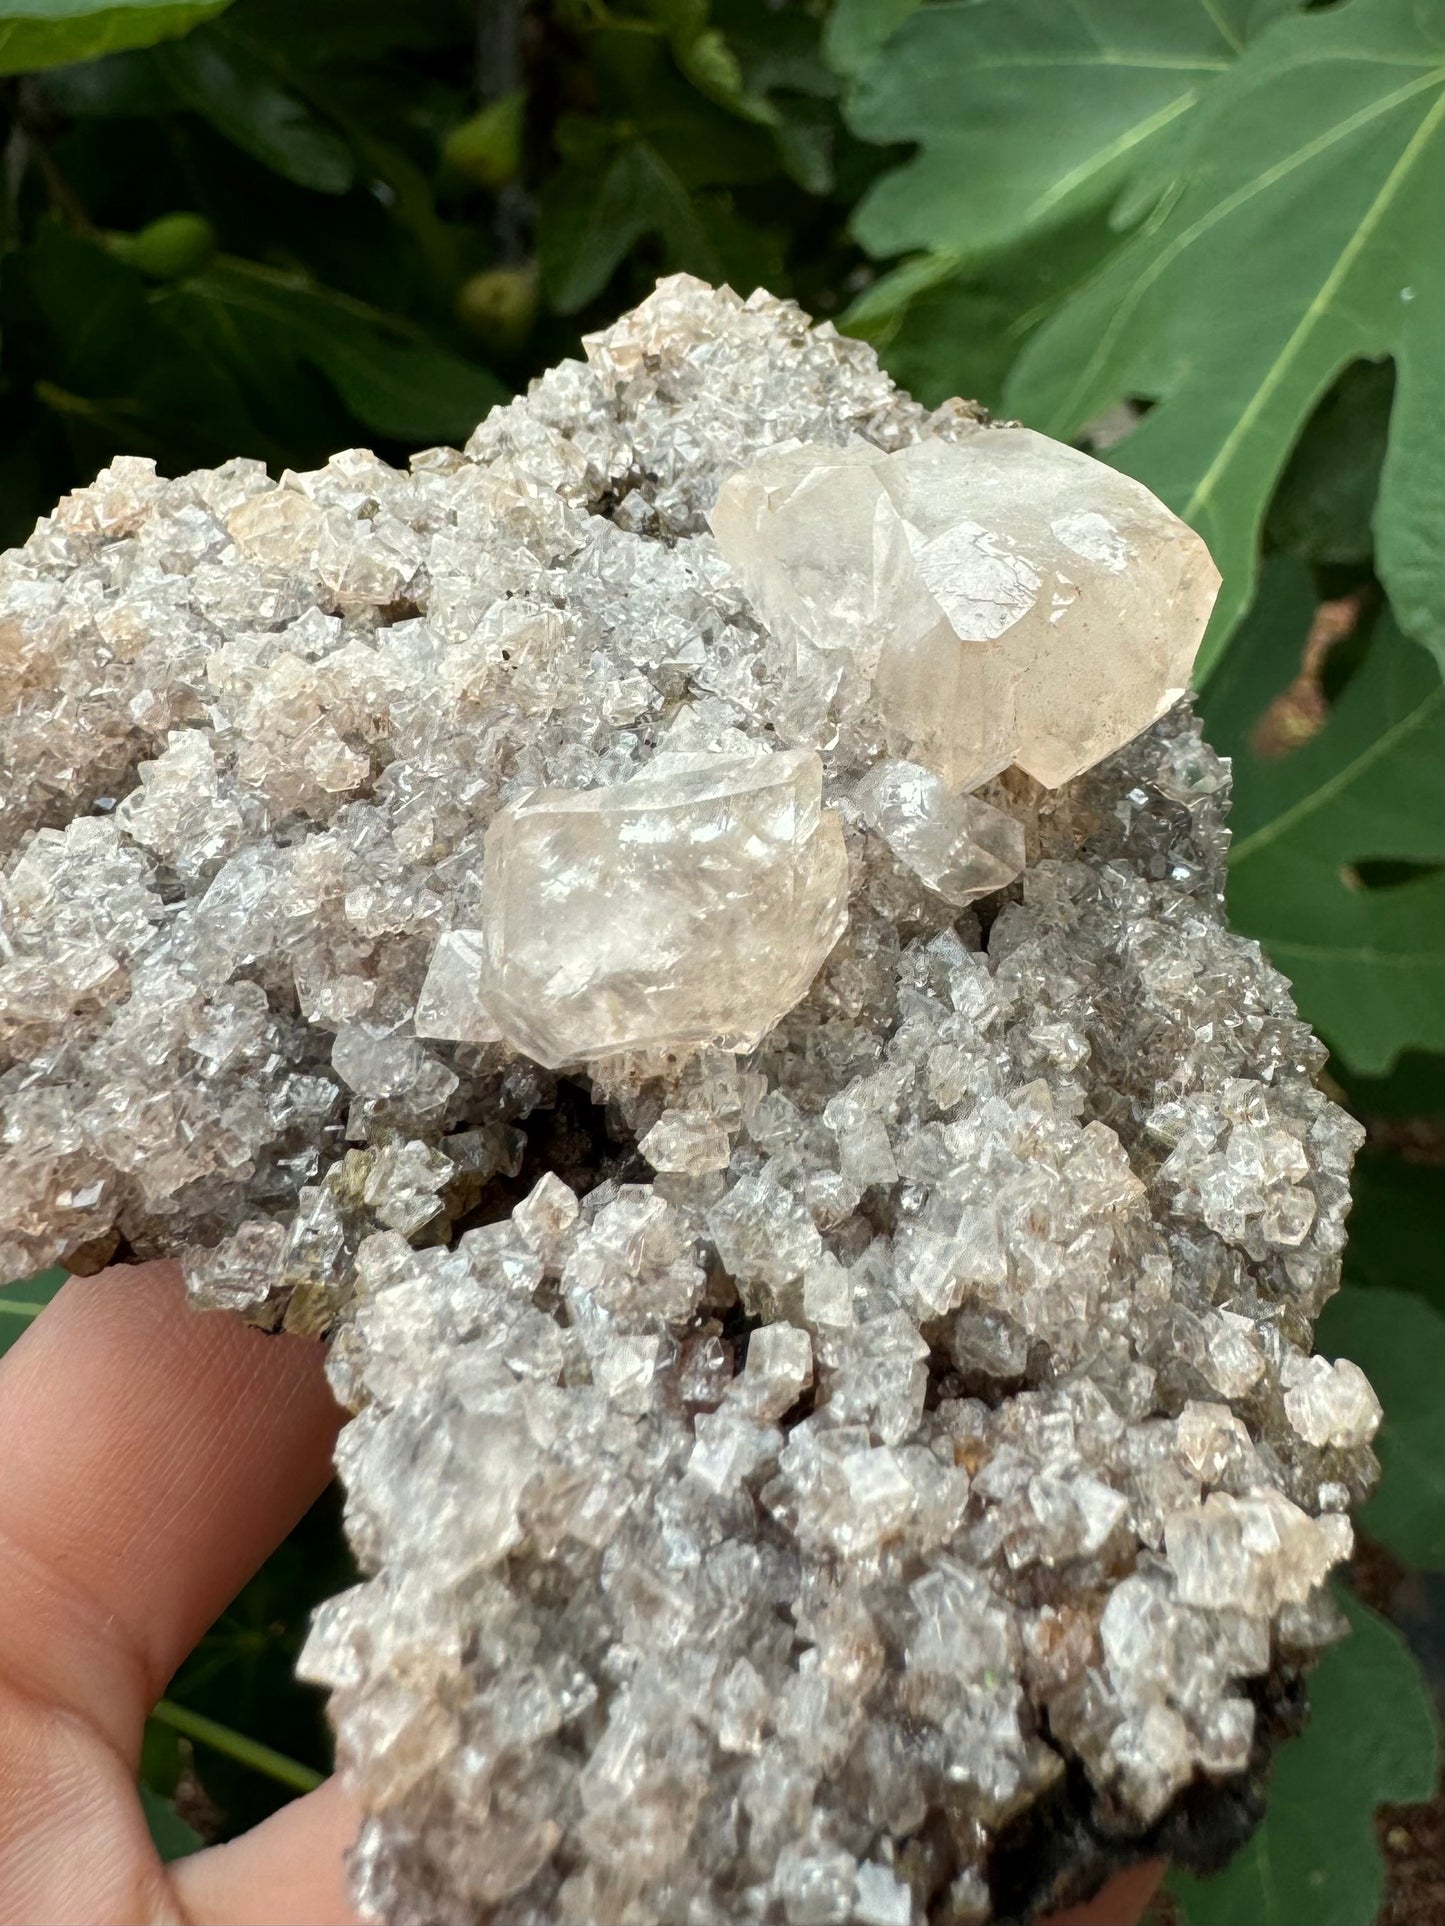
[
  {"x": 880, "y": 1898},
  {"x": 449, "y": 1004},
  {"x": 1007, "y": 598},
  {"x": 958, "y": 845},
  {"x": 686, "y": 1141},
  {"x": 1153, "y": 1757},
  {"x": 691, "y": 904},
  {"x": 1253, "y": 1554},
  {"x": 779, "y": 1369},
  {"x": 1330, "y": 1404}
]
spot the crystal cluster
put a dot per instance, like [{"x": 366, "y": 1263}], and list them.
[{"x": 687, "y": 939}]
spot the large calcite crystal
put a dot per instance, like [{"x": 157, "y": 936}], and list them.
[
  {"x": 1004, "y": 599},
  {"x": 691, "y": 904},
  {"x": 662, "y": 938}
]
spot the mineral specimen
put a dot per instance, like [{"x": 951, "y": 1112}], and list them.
[{"x": 820, "y": 1230}]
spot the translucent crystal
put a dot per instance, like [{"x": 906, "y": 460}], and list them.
[
  {"x": 1008, "y": 598},
  {"x": 958, "y": 845},
  {"x": 684, "y": 1141},
  {"x": 691, "y": 904},
  {"x": 449, "y": 1004},
  {"x": 1256, "y": 1553},
  {"x": 1330, "y": 1404}
]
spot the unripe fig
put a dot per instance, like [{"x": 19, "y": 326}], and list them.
[
  {"x": 487, "y": 149},
  {"x": 499, "y": 304},
  {"x": 168, "y": 248}
]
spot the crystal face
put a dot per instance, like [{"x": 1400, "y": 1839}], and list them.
[
  {"x": 1010, "y": 599},
  {"x": 818, "y": 1221},
  {"x": 956, "y": 844},
  {"x": 691, "y": 904}
]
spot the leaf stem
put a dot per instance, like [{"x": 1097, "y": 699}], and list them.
[
  {"x": 235, "y": 1745},
  {"x": 17, "y": 1308}
]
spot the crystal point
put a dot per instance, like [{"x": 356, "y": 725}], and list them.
[{"x": 959, "y": 845}]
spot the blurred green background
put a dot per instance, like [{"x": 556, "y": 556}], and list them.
[{"x": 1201, "y": 237}]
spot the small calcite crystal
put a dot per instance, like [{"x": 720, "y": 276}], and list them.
[
  {"x": 1009, "y": 599},
  {"x": 958, "y": 845},
  {"x": 821, "y": 1256},
  {"x": 691, "y": 904}
]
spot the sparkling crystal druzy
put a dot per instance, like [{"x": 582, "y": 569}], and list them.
[{"x": 687, "y": 940}]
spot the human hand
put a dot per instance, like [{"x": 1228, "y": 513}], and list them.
[{"x": 150, "y": 1458}]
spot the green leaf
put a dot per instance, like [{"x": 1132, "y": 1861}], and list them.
[
  {"x": 362, "y": 33},
  {"x": 170, "y": 1835},
  {"x": 1373, "y": 1739},
  {"x": 1398, "y": 1341},
  {"x": 881, "y": 305},
  {"x": 858, "y": 30},
  {"x": 1366, "y": 963},
  {"x": 1407, "y": 515},
  {"x": 51, "y": 33},
  {"x": 391, "y": 380},
  {"x": 1305, "y": 233},
  {"x": 87, "y": 305},
  {"x": 636, "y": 173},
  {"x": 945, "y": 325},
  {"x": 130, "y": 84},
  {"x": 219, "y": 80},
  {"x": 1414, "y": 1088},
  {"x": 21, "y": 1303},
  {"x": 1026, "y": 112},
  {"x": 780, "y": 49},
  {"x": 1396, "y": 1227},
  {"x": 706, "y": 56},
  {"x": 1326, "y": 496},
  {"x": 407, "y": 390},
  {"x": 592, "y": 218}
]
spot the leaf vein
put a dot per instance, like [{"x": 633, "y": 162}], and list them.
[
  {"x": 1342, "y": 778},
  {"x": 1282, "y": 169},
  {"x": 1318, "y": 306}
]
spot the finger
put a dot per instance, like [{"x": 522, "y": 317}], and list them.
[
  {"x": 289, "y": 1871},
  {"x": 153, "y": 1456},
  {"x": 74, "y": 1847}
]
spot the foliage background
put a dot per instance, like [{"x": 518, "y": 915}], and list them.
[{"x": 1201, "y": 237}]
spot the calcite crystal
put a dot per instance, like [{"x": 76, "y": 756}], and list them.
[
  {"x": 1000, "y": 598},
  {"x": 687, "y": 940},
  {"x": 607, "y": 912}
]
